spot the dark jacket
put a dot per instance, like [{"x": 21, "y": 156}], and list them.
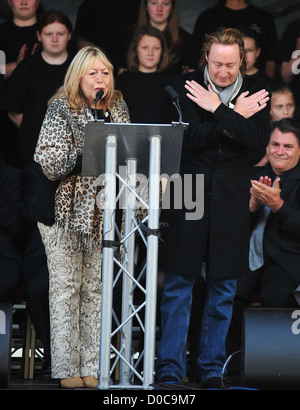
[
  {"x": 282, "y": 229},
  {"x": 216, "y": 145},
  {"x": 39, "y": 195},
  {"x": 11, "y": 215}
]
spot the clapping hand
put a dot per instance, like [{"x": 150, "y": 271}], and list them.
[{"x": 263, "y": 193}]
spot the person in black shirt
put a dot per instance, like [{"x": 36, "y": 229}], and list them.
[
  {"x": 143, "y": 85},
  {"x": 104, "y": 23},
  {"x": 252, "y": 54},
  {"x": 240, "y": 14},
  {"x": 164, "y": 15},
  {"x": 282, "y": 106},
  {"x": 18, "y": 39},
  {"x": 35, "y": 80},
  {"x": 18, "y": 36},
  {"x": 276, "y": 278}
]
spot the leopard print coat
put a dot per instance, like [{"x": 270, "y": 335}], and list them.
[{"x": 60, "y": 142}]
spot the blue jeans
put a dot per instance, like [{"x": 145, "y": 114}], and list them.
[{"x": 175, "y": 317}]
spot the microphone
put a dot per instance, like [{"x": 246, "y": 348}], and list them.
[
  {"x": 175, "y": 100},
  {"x": 172, "y": 93},
  {"x": 99, "y": 95}
]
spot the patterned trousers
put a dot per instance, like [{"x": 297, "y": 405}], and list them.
[{"x": 75, "y": 307}]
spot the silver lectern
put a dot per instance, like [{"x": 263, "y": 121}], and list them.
[{"x": 143, "y": 152}]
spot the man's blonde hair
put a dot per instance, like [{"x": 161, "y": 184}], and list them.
[{"x": 225, "y": 36}]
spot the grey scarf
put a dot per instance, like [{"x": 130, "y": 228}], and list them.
[{"x": 226, "y": 94}]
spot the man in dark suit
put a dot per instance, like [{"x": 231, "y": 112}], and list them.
[
  {"x": 281, "y": 236},
  {"x": 228, "y": 116},
  {"x": 274, "y": 272}
]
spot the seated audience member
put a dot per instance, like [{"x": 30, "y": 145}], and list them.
[
  {"x": 18, "y": 36},
  {"x": 282, "y": 106},
  {"x": 143, "y": 85},
  {"x": 18, "y": 39},
  {"x": 252, "y": 53},
  {"x": 35, "y": 80},
  {"x": 274, "y": 256},
  {"x": 163, "y": 14}
]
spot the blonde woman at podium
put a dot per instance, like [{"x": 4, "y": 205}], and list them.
[{"x": 73, "y": 243}]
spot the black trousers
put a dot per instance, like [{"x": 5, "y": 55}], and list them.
[
  {"x": 10, "y": 279},
  {"x": 36, "y": 285}
]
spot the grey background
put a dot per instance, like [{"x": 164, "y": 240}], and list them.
[{"x": 283, "y": 10}]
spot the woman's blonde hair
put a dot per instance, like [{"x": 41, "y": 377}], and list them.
[
  {"x": 132, "y": 57},
  {"x": 225, "y": 36},
  {"x": 78, "y": 68}
]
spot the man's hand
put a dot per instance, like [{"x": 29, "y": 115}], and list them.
[
  {"x": 206, "y": 99},
  {"x": 267, "y": 195},
  {"x": 255, "y": 203},
  {"x": 249, "y": 105}
]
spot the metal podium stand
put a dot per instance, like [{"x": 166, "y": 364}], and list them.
[{"x": 146, "y": 150}]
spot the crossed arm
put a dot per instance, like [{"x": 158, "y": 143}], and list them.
[{"x": 246, "y": 105}]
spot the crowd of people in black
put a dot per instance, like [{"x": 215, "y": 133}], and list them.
[{"x": 239, "y": 89}]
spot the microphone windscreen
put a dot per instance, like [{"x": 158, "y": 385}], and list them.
[
  {"x": 172, "y": 93},
  {"x": 99, "y": 94}
]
